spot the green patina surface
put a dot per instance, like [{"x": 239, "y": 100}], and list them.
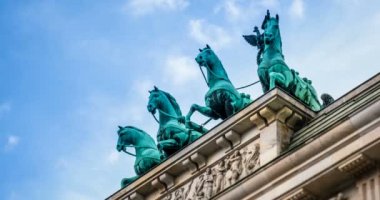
[
  {"x": 222, "y": 99},
  {"x": 272, "y": 69},
  {"x": 173, "y": 134},
  {"x": 147, "y": 154}
]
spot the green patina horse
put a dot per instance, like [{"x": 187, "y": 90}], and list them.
[
  {"x": 273, "y": 71},
  {"x": 222, "y": 99},
  {"x": 147, "y": 153},
  {"x": 172, "y": 134}
]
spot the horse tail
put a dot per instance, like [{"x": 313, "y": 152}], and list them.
[{"x": 327, "y": 100}]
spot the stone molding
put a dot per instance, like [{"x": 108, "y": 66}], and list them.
[
  {"x": 357, "y": 166},
  {"x": 246, "y": 128},
  {"x": 354, "y": 124},
  {"x": 276, "y": 129},
  {"x": 135, "y": 196},
  {"x": 301, "y": 194}
]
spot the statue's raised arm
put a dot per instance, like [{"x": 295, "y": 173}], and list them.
[{"x": 256, "y": 40}]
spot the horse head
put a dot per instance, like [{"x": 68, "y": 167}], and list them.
[
  {"x": 125, "y": 138},
  {"x": 146, "y": 152},
  {"x": 130, "y": 136},
  {"x": 271, "y": 28},
  {"x": 154, "y": 100},
  {"x": 164, "y": 102},
  {"x": 205, "y": 56}
]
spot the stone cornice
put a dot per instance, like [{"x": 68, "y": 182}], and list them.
[
  {"x": 330, "y": 126},
  {"x": 364, "y": 112}
]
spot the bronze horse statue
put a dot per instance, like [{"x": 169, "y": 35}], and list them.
[
  {"x": 272, "y": 69},
  {"x": 222, "y": 99},
  {"x": 172, "y": 134},
  {"x": 147, "y": 154}
]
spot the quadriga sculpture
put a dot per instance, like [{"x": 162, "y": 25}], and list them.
[
  {"x": 222, "y": 99},
  {"x": 172, "y": 134},
  {"x": 147, "y": 154},
  {"x": 273, "y": 71}
]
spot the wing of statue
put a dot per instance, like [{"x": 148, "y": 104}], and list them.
[{"x": 251, "y": 39}]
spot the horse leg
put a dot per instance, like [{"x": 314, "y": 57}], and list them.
[
  {"x": 263, "y": 77},
  {"x": 181, "y": 137},
  {"x": 168, "y": 146},
  {"x": 231, "y": 106},
  {"x": 194, "y": 135},
  {"x": 196, "y": 127},
  {"x": 276, "y": 79},
  {"x": 289, "y": 78},
  {"x": 235, "y": 104},
  {"x": 206, "y": 111}
]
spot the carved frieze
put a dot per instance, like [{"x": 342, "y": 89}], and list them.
[{"x": 225, "y": 173}]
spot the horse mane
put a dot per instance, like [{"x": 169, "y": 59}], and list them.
[
  {"x": 174, "y": 103},
  {"x": 146, "y": 136},
  {"x": 135, "y": 128}
]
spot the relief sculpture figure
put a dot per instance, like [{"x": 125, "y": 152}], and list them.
[
  {"x": 245, "y": 154},
  {"x": 234, "y": 168},
  {"x": 168, "y": 197},
  {"x": 179, "y": 194},
  {"x": 183, "y": 193},
  {"x": 199, "y": 194},
  {"x": 253, "y": 158},
  {"x": 204, "y": 186},
  {"x": 219, "y": 171},
  {"x": 209, "y": 183},
  {"x": 250, "y": 159},
  {"x": 272, "y": 69}
]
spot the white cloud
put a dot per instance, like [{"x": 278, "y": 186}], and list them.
[
  {"x": 142, "y": 87},
  {"x": 231, "y": 8},
  {"x": 142, "y": 7},
  {"x": 12, "y": 142},
  {"x": 269, "y": 3},
  {"x": 297, "y": 9},
  {"x": 113, "y": 157},
  {"x": 5, "y": 107},
  {"x": 180, "y": 69},
  {"x": 348, "y": 3},
  {"x": 205, "y": 33}
]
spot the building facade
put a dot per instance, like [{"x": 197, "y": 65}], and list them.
[{"x": 277, "y": 148}]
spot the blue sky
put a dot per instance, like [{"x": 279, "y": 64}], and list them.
[{"x": 71, "y": 71}]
